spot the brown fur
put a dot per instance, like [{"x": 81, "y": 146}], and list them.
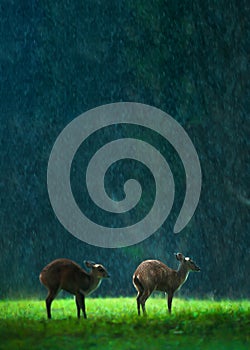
[
  {"x": 67, "y": 275},
  {"x": 153, "y": 275}
]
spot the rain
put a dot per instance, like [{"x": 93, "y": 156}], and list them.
[{"x": 61, "y": 59}]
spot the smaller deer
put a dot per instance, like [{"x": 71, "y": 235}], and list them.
[
  {"x": 67, "y": 275},
  {"x": 153, "y": 275}
]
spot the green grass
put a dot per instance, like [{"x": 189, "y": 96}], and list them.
[{"x": 114, "y": 324}]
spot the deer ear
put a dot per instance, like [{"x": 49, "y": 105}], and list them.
[
  {"x": 89, "y": 264},
  {"x": 180, "y": 256}
]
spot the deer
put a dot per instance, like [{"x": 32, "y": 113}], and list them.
[
  {"x": 67, "y": 275},
  {"x": 153, "y": 275}
]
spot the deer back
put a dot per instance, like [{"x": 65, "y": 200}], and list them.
[
  {"x": 155, "y": 275},
  {"x": 65, "y": 274}
]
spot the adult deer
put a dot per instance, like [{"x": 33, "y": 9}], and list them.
[
  {"x": 153, "y": 275},
  {"x": 67, "y": 275}
]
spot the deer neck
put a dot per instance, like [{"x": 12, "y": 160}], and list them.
[
  {"x": 182, "y": 274},
  {"x": 94, "y": 282}
]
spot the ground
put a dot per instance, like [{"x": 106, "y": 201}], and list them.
[{"x": 113, "y": 324}]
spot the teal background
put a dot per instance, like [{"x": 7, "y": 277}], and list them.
[{"x": 190, "y": 59}]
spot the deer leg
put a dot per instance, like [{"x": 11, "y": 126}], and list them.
[
  {"x": 83, "y": 306},
  {"x": 51, "y": 296},
  {"x": 170, "y": 298},
  {"x": 143, "y": 299},
  {"x": 138, "y": 301},
  {"x": 140, "y": 289},
  {"x": 80, "y": 304},
  {"x": 78, "y": 308}
]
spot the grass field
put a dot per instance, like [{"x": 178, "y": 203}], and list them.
[{"x": 114, "y": 324}]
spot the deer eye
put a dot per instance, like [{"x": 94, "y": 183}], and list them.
[{"x": 100, "y": 269}]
